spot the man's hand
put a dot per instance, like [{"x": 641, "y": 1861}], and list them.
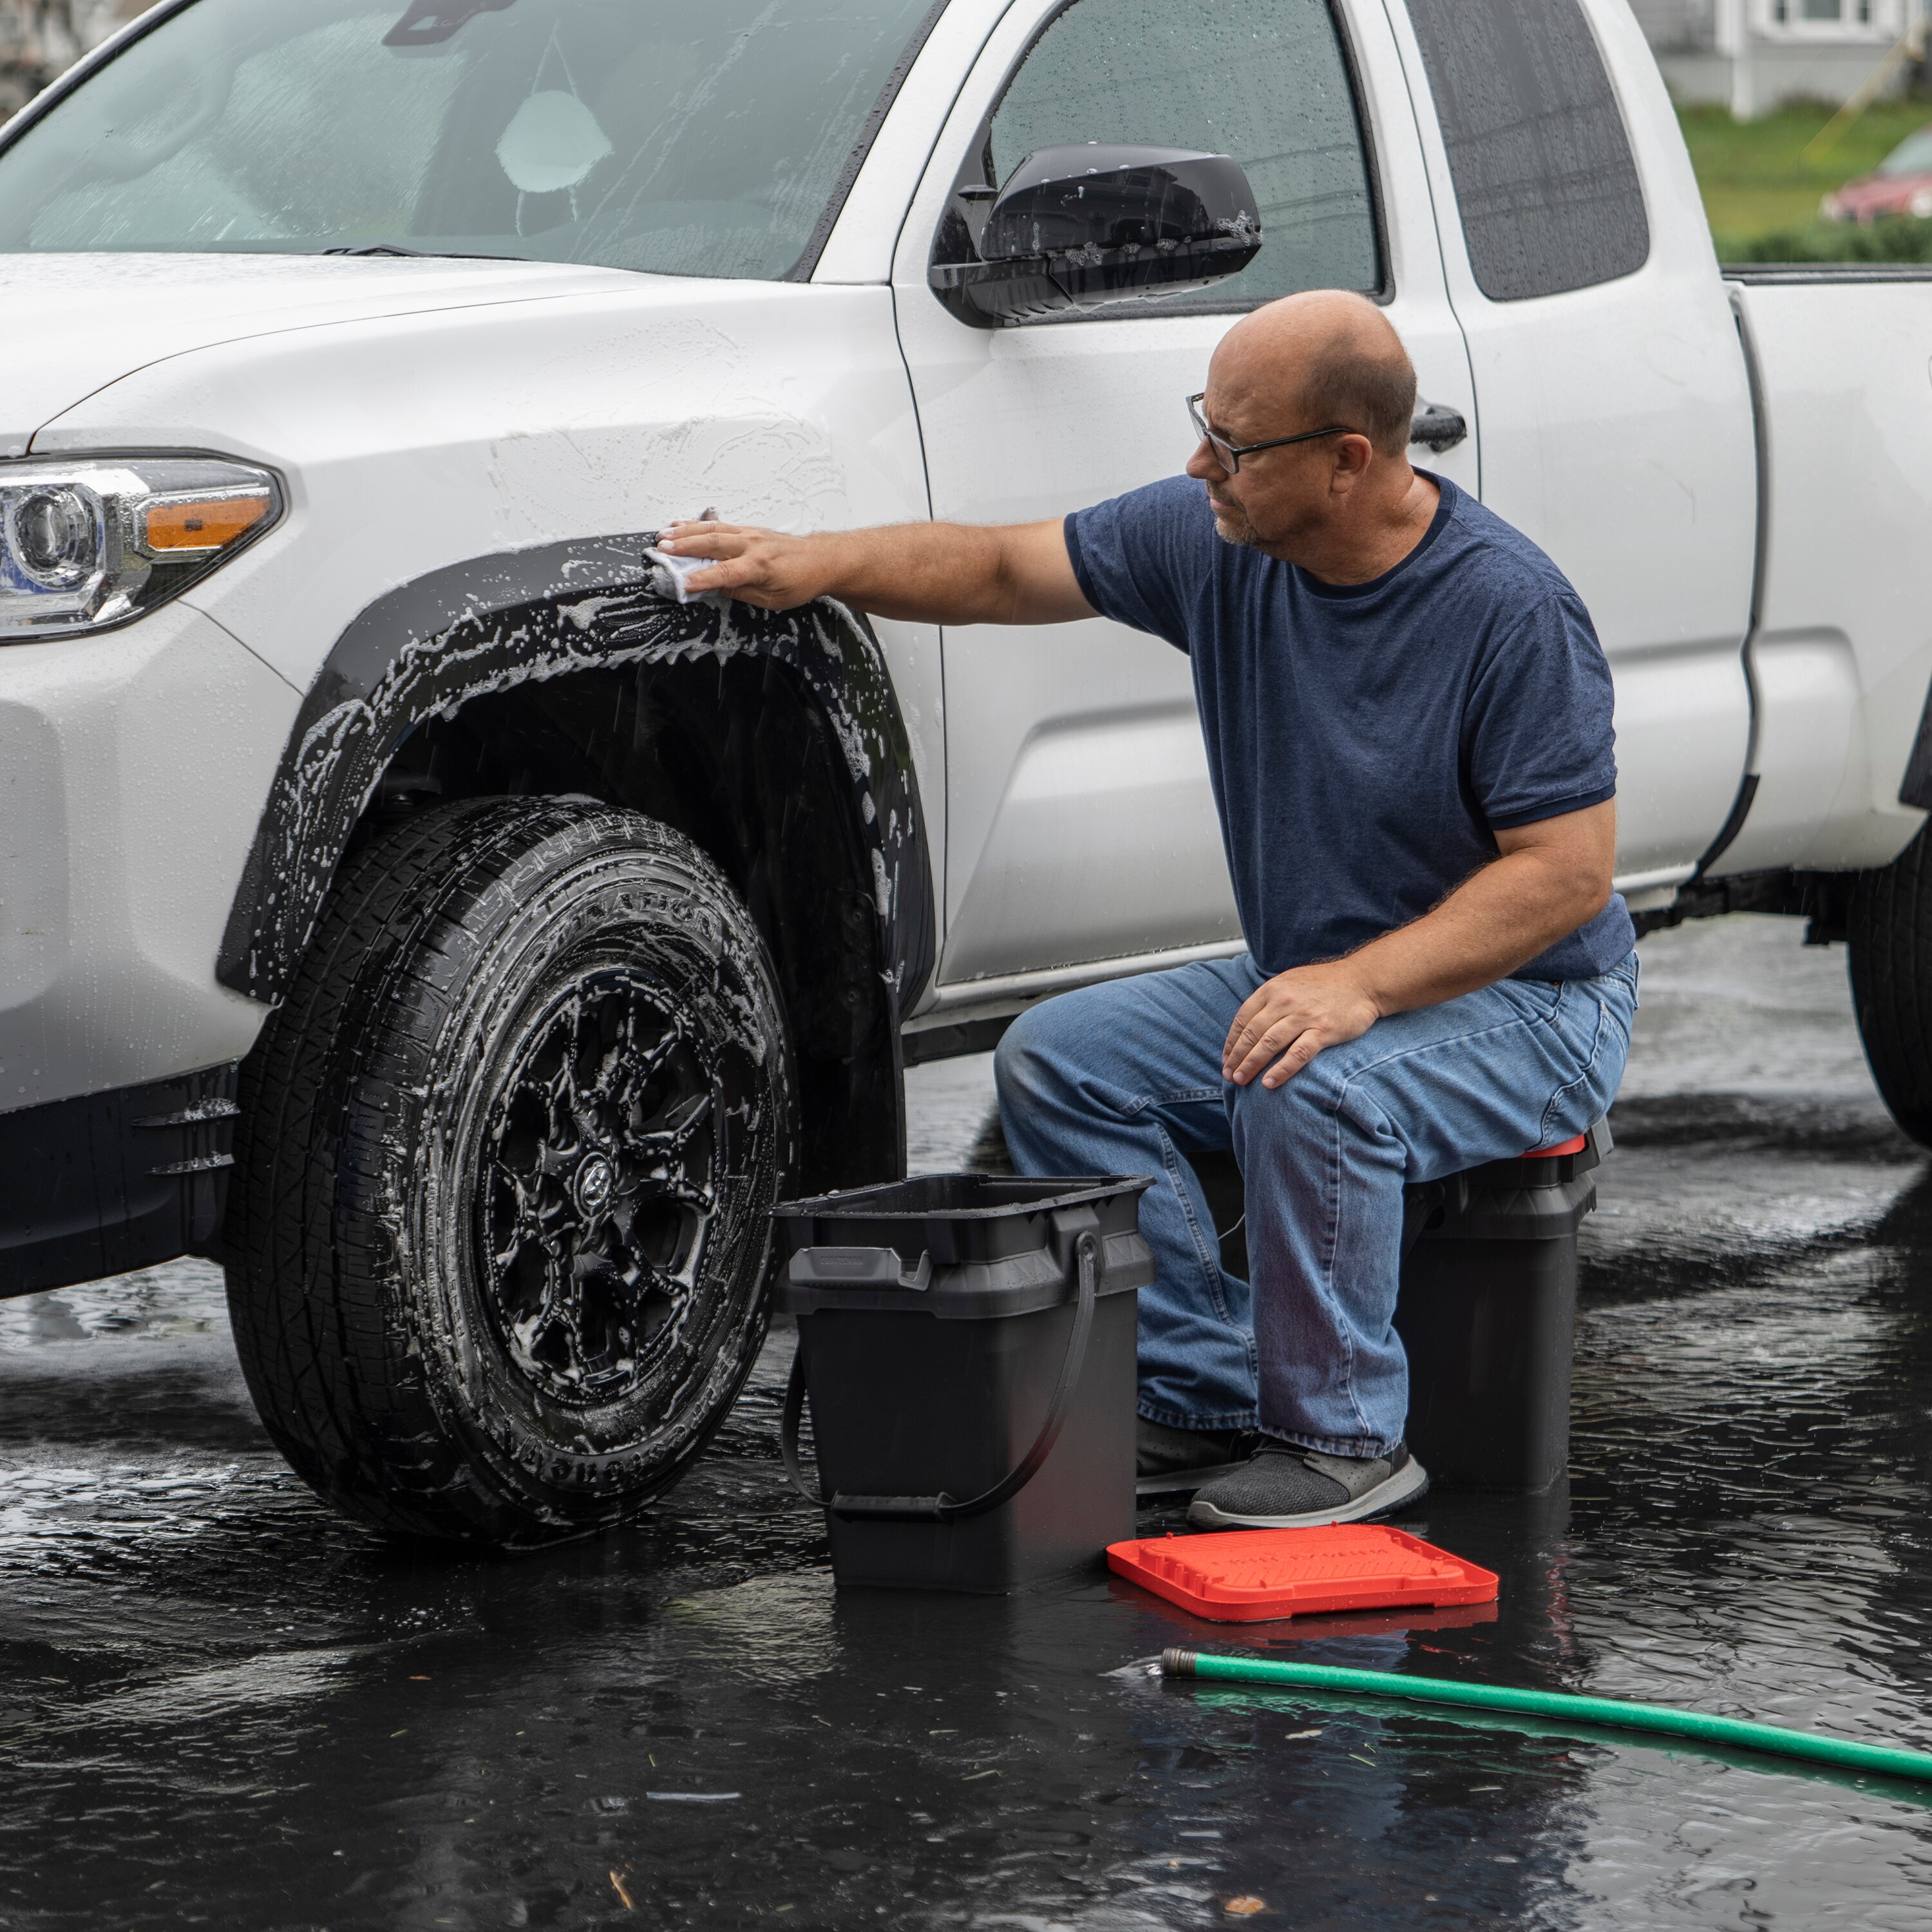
[
  {"x": 925, "y": 573},
  {"x": 755, "y": 566},
  {"x": 1289, "y": 1020}
]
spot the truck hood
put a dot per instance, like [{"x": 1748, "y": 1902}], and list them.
[{"x": 71, "y": 324}]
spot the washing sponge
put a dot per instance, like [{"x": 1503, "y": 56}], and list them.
[{"x": 670, "y": 578}]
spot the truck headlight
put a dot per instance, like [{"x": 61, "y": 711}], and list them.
[{"x": 89, "y": 542}]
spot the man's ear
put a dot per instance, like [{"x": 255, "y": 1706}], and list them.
[{"x": 1353, "y": 455}]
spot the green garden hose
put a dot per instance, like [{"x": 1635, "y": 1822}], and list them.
[{"x": 1737, "y": 1733}]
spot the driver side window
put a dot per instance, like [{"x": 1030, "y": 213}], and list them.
[{"x": 1265, "y": 81}]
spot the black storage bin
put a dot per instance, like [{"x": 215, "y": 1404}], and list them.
[
  {"x": 967, "y": 1341},
  {"x": 1487, "y": 1314}
]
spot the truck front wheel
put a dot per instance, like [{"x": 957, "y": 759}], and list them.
[
  {"x": 499, "y": 1223},
  {"x": 1890, "y": 929}
]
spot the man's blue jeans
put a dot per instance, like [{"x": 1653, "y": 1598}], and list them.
[{"x": 1126, "y": 1078}]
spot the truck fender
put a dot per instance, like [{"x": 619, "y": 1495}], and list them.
[{"x": 483, "y": 627}]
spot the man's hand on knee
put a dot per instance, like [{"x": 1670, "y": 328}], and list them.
[{"x": 1288, "y": 1020}]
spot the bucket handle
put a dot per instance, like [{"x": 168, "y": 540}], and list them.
[
  {"x": 859, "y": 1267},
  {"x": 942, "y": 1508}
]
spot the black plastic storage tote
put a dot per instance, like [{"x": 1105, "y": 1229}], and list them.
[{"x": 967, "y": 1341}]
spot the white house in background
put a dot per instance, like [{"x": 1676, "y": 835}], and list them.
[{"x": 1753, "y": 54}]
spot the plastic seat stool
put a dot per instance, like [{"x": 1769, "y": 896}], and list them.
[{"x": 1487, "y": 1313}]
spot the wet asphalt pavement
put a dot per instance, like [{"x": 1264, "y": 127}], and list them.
[{"x": 222, "y": 1705}]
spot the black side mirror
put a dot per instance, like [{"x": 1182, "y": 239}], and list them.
[
  {"x": 1079, "y": 227},
  {"x": 1437, "y": 427}
]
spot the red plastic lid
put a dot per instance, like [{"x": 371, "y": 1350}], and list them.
[
  {"x": 1576, "y": 1146},
  {"x": 1244, "y": 1576}
]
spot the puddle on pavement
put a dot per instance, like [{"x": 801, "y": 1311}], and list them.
[{"x": 221, "y": 1705}]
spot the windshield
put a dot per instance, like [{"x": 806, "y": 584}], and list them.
[
  {"x": 1912, "y": 156},
  {"x": 687, "y": 137}
]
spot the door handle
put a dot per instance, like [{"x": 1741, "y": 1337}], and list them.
[{"x": 1437, "y": 428}]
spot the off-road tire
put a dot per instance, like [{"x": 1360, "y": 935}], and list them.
[
  {"x": 453, "y": 1322},
  {"x": 1890, "y": 928}
]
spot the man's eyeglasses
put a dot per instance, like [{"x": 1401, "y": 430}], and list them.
[{"x": 1228, "y": 454}]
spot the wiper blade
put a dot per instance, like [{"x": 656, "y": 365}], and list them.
[{"x": 425, "y": 254}]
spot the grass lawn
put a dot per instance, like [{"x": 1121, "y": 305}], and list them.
[{"x": 1757, "y": 181}]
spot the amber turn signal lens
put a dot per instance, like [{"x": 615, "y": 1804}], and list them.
[{"x": 208, "y": 525}]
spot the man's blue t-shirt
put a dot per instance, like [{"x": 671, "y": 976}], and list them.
[{"x": 1366, "y": 741}]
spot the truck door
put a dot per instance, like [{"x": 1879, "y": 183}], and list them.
[
  {"x": 1080, "y": 827},
  {"x": 1615, "y": 411}
]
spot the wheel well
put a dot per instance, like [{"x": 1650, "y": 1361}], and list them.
[{"x": 738, "y": 756}]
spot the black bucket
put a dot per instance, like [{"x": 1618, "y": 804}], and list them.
[
  {"x": 968, "y": 1343},
  {"x": 1487, "y": 1314}
]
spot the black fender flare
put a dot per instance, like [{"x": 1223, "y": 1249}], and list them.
[{"x": 492, "y": 622}]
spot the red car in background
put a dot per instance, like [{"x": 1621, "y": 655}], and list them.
[{"x": 1903, "y": 185}]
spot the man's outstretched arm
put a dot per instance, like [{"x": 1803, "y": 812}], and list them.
[{"x": 928, "y": 573}]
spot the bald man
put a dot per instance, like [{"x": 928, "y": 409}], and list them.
[{"x": 1407, "y": 723}]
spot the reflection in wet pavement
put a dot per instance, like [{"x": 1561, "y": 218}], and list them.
[{"x": 222, "y": 1705}]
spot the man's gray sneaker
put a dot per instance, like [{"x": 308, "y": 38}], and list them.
[
  {"x": 1281, "y": 1487},
  {"x": 1176, "y": 1462}
]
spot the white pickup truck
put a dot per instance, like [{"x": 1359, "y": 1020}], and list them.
[{"x": 406, "y": 900}]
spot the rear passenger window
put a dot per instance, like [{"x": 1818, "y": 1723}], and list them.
[
  {"x": 1266, "y": 81},
  {"x": 1548, "y": 191}
]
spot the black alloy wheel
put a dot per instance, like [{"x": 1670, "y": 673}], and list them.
[
  {"x": 499, "y": 1226},
  {"x": 595, "y": 1195}
]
